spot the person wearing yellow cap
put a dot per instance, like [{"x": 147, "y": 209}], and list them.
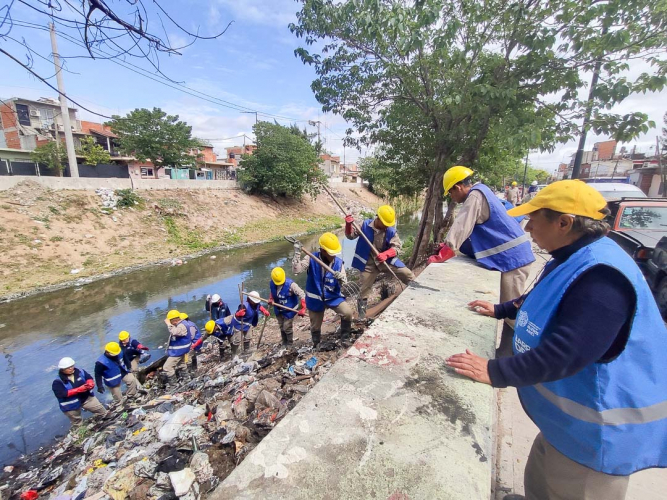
[
  {"x": 323, "y": 288},
  {"x": 177, "y": 348},
  {"x": 110, "y": 370},
  {"x": 286, "y": 292},
  {"x": 590, "y": 351},
  {"x": 382, "y": 232},
  {"x": 132, "y": 350},
  {"x": 513, "y": 194},
  {"x": 484, "y": 230}
]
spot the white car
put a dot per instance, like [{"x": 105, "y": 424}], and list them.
[{"x": 617, "y": 190}]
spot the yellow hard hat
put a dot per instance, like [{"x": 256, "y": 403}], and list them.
[
  {"x": 387, "y": 215},
  {"x": 183, "y": 315},
  {"x": 112, "y": 348},
  {"x": 573, "y": 197},
  {"x": 278, "y": 275},
  {"x": 173, "y": 314},
  {"x": 455, "y": 175},
  {"x": 330, "y": 243},
  {"x": 123, "y": 335},
  {"x": 209, "y": 326},
  {"x": 514, "y": 183}
]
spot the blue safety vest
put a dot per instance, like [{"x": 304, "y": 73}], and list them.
[
  {"x": 499, "y": 243},
  {"x": 179, "y": 346},
  {"x": 508, "y": 206},
  {"x": 322, "y": 288},
  {"x": 363, "y": 249},
  {"x": 225, "y": 329},
  {"x": 611, "y": 417},
  {"x": 193, "y": 331},
  {"x": 250, "y": 318},
  {"x": 284, "y": 297},
  {"x": 114, "y": 371},
  {"x": 130, "y": 351},
  {"x": 75, "y": 402}
]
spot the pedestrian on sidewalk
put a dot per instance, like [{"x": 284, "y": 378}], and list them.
[
  {"x": 132, "y": 350},
  {"x": 178, "y": 347},
  {"x": 110, "y": 368},
  {"x": 74, "y": 390},
  {"x": 590, "y": 354},
  {"x": 286, "y": 292},
  {"x": 245, "y": 319},
  {"x": 484, "y": 231}
]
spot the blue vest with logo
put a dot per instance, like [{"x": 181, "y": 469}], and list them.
[
  {"x": 179, "y": 346},
  {"x": 323, "y": 289},
  {"x": 114, "y": 370},
  {"x": 363, "y": 250},
  {"x": 250, "y": 318},
  {"x": 610, "y": 417},
  {"x": 508, "y": 206},
  {"x": 225, "y": 329},
  {"x": 499, "y": 243},
  {"x": 75, "y": 402},
  {"x": 284, "y": 297},
  {"x": 130, "y": 351},
  {"x": 194, "y": 332}
]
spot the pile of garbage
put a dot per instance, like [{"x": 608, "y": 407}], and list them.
[
  {"x": 179, "y": 444},
  {"x": 109, "y": 197}
]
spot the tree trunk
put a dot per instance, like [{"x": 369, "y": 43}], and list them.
[
  {"x": 422, "y": 239},
  {"x": 446, "y": 223}
]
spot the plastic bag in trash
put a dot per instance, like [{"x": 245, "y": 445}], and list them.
[
  {"x": 182, "y": 416},
  {"x": 145, "y": 356},
  {"x": 310, "y": 364}
]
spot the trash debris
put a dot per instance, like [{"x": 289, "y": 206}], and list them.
[
  {"x": 181, "y": 481},
  {"x": 182, "y": 416}
]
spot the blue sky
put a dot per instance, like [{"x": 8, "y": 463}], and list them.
[{"x": 252, "y": 65}]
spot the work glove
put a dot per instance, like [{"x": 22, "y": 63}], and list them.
[
  {"x": 339, "y": 276},
  {"x": 264, "y": 311},
  {"x": 297, "y": 247},
  {"x": 142, "y": 347},
  {"x": 77, "y": 390},
  {"x": 197, "y": 344},
  {"x": 270, "y": 300},
  {"x": 240, "y": 313},
  {"x": 444, "y": 253},
  {"x": 302, "y": 311},
  {"x": 348, "y": 224},
  {"x": 387, "y": 254},
  {"x": 90, "y": 384},
  {"x": 100, "y": 389}
]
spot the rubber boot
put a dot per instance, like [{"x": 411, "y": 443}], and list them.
[
  {"x": 345, "y": 331},
  {"x": 361, "y": 308},
  {"x": 283, "y": 336},
  {"x": 290, "y": 338},
  {"x": 235, "y": 349},
  {"x": 316, "y": 336},
  {"x": 246, "y": 345},
  {"x": 221, "y": 350},
  {"x": 163, "y": 380},
  {"x": 193, "y": 363}
]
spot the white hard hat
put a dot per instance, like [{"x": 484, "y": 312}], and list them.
[
  {"x": 215, "y": 298},
  {"x": 534, "y": 183},
  {"x": 65, "y": 363},
  {"x": 254, "y": 297}
]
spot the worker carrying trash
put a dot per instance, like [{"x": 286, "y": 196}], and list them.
[
  {"x": 323, "y": 287},
  {"x": 382, "y": 232},
  {"x": 110, "y": 367},
  {"x": 74, "y": 390},
  {"x": 221, "y": 329},
  {"x": 133, "y": 351},
  {"x": 245, "y": 318},
  {"x": 216, "y": 307},
  {"x": 286, "y": 292},
  {"x": 196, "y": 339},
  {"x": 177, "y": 348}
]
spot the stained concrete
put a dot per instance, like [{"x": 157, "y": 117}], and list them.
[{"x": 391, "y": 420}]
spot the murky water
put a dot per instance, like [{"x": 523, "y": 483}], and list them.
[{"x": 77, "y": 322}]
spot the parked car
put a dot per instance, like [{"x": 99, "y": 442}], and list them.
[
  {"x": 617, "y": 190},
  {"x": 656, "y": 275}
]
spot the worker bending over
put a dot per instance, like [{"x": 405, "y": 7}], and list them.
[
  {"x": 222, "y": 330},
  {"x": 196, "y": 339},
  {"x": 286, "y": 292},
  {"x": 382, "y": 232},
  {"x": 244, "y": 319},
  {"x": 323, "y": 288},
  {"x": 178, "y": 346},
  {"x": 132, "y": 350},
  {"x": 110, "y": 368},
  {"x": 74, "y": 390}
]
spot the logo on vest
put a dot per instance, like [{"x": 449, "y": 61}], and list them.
[{"x": 522, "y": 319}]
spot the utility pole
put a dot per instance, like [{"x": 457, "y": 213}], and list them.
[
  {"x": 660, "y": 167},
  {"x": 525, "y": 171},
  {"x": 316, "y": 124},
  {"x": 64, "y": 107},
  {"x": 252, "y": 113}
]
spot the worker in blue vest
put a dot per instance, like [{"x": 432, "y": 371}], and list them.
[
  {"x": 286, "y": 292},
  {"x": 178, "y": 347},
  {"x": 381, "y": 231},
  {"x": 483, "y": 230},
  {"x": 216, "y": 307},
  {"x": 590, "y": 354},
  {"x": 110, "y": 370},
  {"x": 196, "y": 339},
  {"x": 133, "y": 350},
  {"x": 323, "y": 288},
  {"x": 245, "y": 319},
  {"x": 222, "y": 330},
  {"x": 74, "y": 390}
]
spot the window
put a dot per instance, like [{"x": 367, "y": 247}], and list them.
[
  {"x": 147, "y": 172},
  {"x": 46, "y": 115},
  {"x": 644, "y": 218},
  {"x": 23, "y": 114}
]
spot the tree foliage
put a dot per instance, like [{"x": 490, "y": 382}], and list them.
[
  {"x": 156, "y": 136},
  {"x": 52, "y": 154},
  {"x": 92, "y": 152},
  {"x": 284, "y": 163}
]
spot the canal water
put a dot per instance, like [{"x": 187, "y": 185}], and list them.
[{"x": 77, "y": 322}]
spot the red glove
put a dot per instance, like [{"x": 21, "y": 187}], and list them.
[
  {"x": 387, "y": 254},
  {"x": 240, "y": 313},
  {"x": 270, "y": 300},
  {"x": 90, "y": 384},
  {"x": 263, "y": 310},
  {"x": 348, "y": 224},
  {"x": 444, "y": 253},
  {"x": 197, "y": 344},
  {"x": 77, "y": 390},
  {"x": 302, "y": 311},
  {"x": 143, "y": 347}
]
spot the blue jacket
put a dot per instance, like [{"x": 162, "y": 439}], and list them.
[
  {"x": 225, "y": 329},
  {"x": 323, "y": 289},
  {"x": 130, "y": 351},
  {"x": 110, "y": 370},
  {"x": 62, "y": 385},
  {"x": 219, "y": 311},
  {"x": 179, "y": 346},
  {"x": 508, "y": 206},
  {"x": 499, "y": 243},
  {"x": 250, "y": 319},
  {"x": 284, "y": 297},
  {"x": 363, "y": 249},
  {"x": 193, "y": 331},
  {"x": 610, "y": 417}
]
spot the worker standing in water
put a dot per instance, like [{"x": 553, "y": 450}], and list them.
[
  {"x": 110, "y": 370},
  {"x": 246, "y": 318},
  {"x": 286, "y": 292},
  {"x": 74, "y": 390},
  {"x": 178, "y": 347},
  {"x": 132, "y": 350}
]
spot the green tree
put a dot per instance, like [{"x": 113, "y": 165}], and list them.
[
  {"x": 156, "y": 136},
  {"x": 52, "y": 154},
  {"x": 93, "y": 153},
  {"x": 284, "y": 163}
]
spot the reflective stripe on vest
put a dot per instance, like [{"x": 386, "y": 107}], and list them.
[
  {"x": 501, "y": 248},
  {"x": 64, "y": 405},
  {"x": 74, "y": 402},
  {"x": 322, "y": 288},
  {"x": 363, "y": 250}
]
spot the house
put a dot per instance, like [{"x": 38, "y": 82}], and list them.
[
  {"x": 330, "y": 164},
  {"x": 647, "y": 177},
  {"x": 604, "y": 150},
  {"x": 350, "y": 172},
  {"x": 562, "y": 171},
  {"x": 234, "y": 153},
  {"x": 102, "y": 135}
]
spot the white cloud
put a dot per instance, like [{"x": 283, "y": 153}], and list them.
[{"x": 268, "y": 12}]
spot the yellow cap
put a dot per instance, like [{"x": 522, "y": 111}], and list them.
[
  {"x": 569, "y": 197},
  {"x": 330, "y": 243},
  {"x": 455, "y": 175},
  {"x": 278, "y": 275},
  {"x": 183, "y": 315},
  {"x": 123, "y": 335},
  {"x": 112, "y": 348},
  {"x": 173, "y": 314},
  {"x": 514, "y": 183},
  {"x": 209, "y": 326},
  {"x": 387, "y": 215}
]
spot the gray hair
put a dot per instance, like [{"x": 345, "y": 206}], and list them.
[{"x": 583, "y": 225}]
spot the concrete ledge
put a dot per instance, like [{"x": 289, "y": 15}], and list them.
[
  {"x": 92, "y": 183},
  {"x": 390, "y": 420}
]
